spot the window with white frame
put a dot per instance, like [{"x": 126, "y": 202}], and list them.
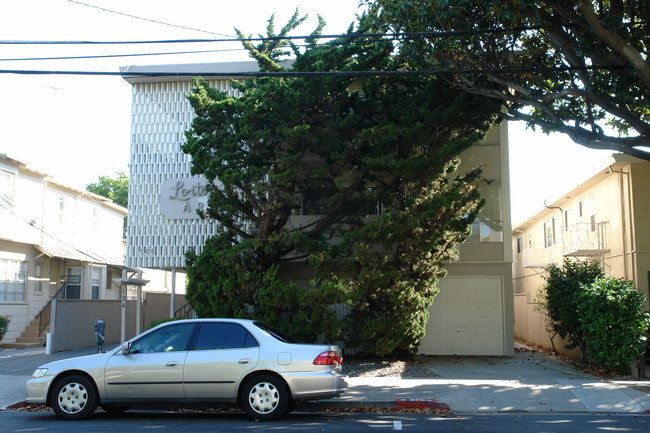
[
  {"x": 488, "y": 226},
  {"x": 549, "y": 233},
  {"x": 592, "y": 214},
  {"x": 95, "y": 284},
  {"x": 6, "y": 189},
  {"x": 95, "y": 219},
  {"x": 13, "y": 278},
  {"x": 567, "y": 219},
  {"x": 61, "y": 210},
  {"x": 520, "y": 245}
]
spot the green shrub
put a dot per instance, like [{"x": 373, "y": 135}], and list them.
[
  {"x": 561, "y": 297},
  {"x": 4, "y": 325},
  {"x": 614, "y": 323}
]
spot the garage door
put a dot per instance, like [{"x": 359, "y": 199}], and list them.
[{"x": 466, "y": 318}]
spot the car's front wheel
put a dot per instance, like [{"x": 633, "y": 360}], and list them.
[
  {"x": 74, "y": 397},
  {"x": 265, "y": 397}
]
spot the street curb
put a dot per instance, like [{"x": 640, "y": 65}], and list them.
[
  {"x": 323, "y": 405},
  {"x": 14, "y": 406},
  {"x": 421, "y": 404}
]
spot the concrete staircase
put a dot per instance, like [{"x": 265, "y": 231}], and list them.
[{"x": 29, "y": 337}]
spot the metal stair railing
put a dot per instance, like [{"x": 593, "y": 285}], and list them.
[
  {"x": 185, "y": 312},
  {"x": 45, "y": 315}
]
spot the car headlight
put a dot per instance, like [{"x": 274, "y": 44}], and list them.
[{"x": 40, "y": 372}]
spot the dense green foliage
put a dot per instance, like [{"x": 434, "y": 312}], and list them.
[
  {"x": 614, "y": 322},
  {"x": 4, "y": 325},
  {"x": 561, "y": 298},
  {"x": 572, "y": 66},
  {"x": 116, "y": 189},
  {"x": 348, "y": 180}
]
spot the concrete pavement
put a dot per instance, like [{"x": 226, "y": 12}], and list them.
[{"x": 526, "y": 382}]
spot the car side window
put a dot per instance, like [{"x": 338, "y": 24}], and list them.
[
  {"x": 167, "y": 339},
  {"x": 216, "y": 335}
]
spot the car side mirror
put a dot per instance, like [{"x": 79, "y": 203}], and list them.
[{"x": 126, "y": 348}]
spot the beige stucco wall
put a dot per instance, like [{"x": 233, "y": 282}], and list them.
[
  {"x": 641, "y": 227},
  {"x": 621, "y": 204}
]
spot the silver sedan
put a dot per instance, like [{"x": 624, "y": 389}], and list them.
[{"x": 193, "y": 362}]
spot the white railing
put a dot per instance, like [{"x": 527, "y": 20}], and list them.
[
  {"x": 585, "y": 239},
  {"x": 538, "y": 256}
]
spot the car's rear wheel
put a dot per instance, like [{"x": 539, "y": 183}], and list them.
[
  {"x": 74, "y": 397},
  {"x": 265, "y": 397}
]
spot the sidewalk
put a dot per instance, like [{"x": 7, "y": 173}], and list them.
[{"x": 526, "y": 382}]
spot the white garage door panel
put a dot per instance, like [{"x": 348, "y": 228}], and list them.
[{"x": 466, "y": 318}]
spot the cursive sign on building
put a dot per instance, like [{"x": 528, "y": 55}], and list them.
[{"x": 181, "y": 198}]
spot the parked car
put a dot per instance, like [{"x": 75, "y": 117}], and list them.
[{"x": 193, "y": 362}]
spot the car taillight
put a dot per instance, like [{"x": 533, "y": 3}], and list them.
[{"x": 329, "y": 358}]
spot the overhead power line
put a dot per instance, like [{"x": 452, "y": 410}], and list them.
[
  {"x": 407, "y": 35},
  {"x": 146, "y": 19},
  {"x": 109, "y": 56},
  {"x": 438, "y": 72}
]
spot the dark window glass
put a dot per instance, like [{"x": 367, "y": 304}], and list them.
[
  {"x": 223, "y": 336},
  {"x": 167, "y": 339},
  {"x": 285, "y": 338}
]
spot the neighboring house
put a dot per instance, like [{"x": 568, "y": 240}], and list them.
[
  {"x": 54, "y": 239},
  {"x": 473, "y": 314},
  {"x": 605, "y": 218}
]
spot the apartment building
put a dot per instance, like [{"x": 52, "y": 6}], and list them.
[
  {"x": 473, "y": 314},
  {"x": 54, "y": 240},
  {"x": 605, "y": 218}
]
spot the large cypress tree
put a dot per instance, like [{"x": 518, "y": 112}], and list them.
[{"x": 368, "y": 159}]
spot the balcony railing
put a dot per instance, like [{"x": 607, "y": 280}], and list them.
[
  {"x": 585, "y": 239},
  {"x": 580, "y": 240},
  {"x": 538, "y": 256}
]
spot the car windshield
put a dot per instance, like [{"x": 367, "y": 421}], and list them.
[{"x": 286, "y": 338}]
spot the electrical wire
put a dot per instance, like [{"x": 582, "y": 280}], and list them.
[
  {"x": 146, "y": 19},
  {"x": 438, "y": 72},
  {"x": 392, "y": 36},
  {"x": 109, "y": 56}
]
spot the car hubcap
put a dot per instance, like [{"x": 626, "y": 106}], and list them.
[
  {"x": 73, "y": 398},
  {"x": 264, "y": 397}
]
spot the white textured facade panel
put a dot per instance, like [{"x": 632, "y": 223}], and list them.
[{"x": 161, "y": 114}]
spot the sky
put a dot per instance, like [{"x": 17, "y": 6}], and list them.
[{"x": 77, "y": 128}]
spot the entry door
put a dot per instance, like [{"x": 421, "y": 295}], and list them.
[
  {"x": 466, "y": 318},
  {"x": 73, "y": 283}
]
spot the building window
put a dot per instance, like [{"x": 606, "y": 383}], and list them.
[
  {"x": 567, "y": 219},
  {"x": 95, "y": 219},
  {"x": 95, "y": 283},
  {"x": 61, "y": 210},
  {"x": 12, "y": 280},
  {"x": 488, "y": 226},
  {"x": 520, "y": 245},
  {"x": 581, "y": 208},
  {"x": 6, "y": 189},
  {"x": 592, "y": 214},
  {"x": 549, "y": 233}
]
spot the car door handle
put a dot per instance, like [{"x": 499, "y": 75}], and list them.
[
  {"x": 245, "y": 360},
  {"x": 172, "y": 364}
]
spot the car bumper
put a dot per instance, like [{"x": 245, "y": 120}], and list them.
[
  {"x": 317, "y": 385},
  {"x": 36, "y": 390}
]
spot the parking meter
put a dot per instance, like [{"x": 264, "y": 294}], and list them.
[{"x": 100, "y": 328}]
